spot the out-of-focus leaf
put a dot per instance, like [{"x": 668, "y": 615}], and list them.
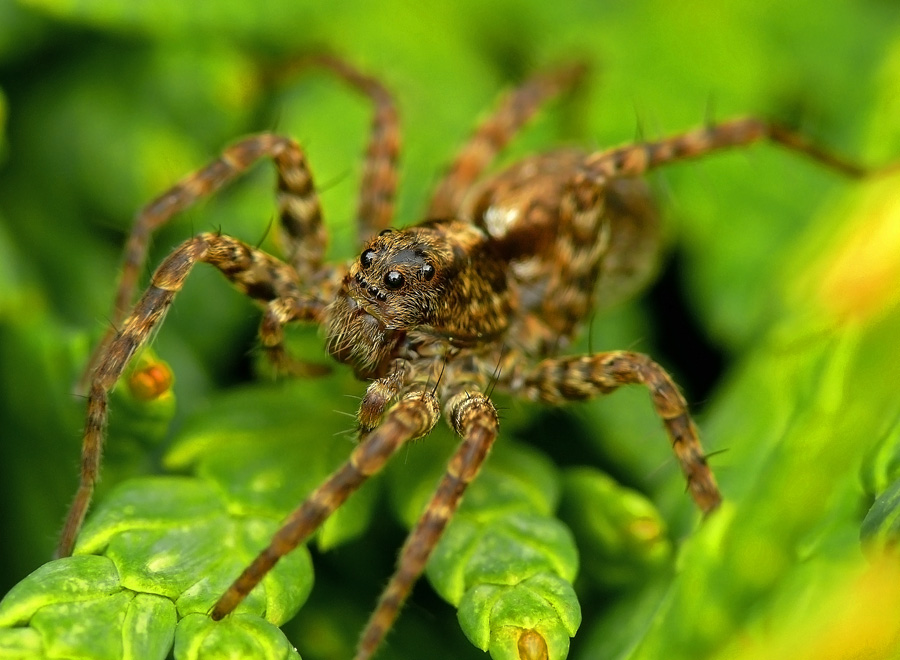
[
  {"x": 21, "y": 31},
  {"x": 622, "y": 539},
  {"x": 882, "y": 467},
  {"x": 881, "y": 526}
]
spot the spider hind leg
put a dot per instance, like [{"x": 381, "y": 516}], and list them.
[{"x": 557, "y": 380}]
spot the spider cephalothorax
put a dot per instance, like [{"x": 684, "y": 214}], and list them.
[
  {"x": 440, "y": 280},
  {"x": 484, "y": 294}
]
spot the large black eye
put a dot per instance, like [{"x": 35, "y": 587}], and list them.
[
  {"x": 393, "y": 280},
  {"x": 367, "y": 257},
  {"x": 427, "y": 271}
]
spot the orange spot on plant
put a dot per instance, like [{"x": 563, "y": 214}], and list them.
[
  {"x": 532, "y": 646},
  {"x": 150, "y": 380}
]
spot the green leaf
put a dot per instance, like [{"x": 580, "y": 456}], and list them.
[
  {"x": 266, "y": 447},
  {"x": 494, "y": 617},
  {"x": 60, "y": 581},
  {"x": 621, "y": 536},
  {"x": 77, "y": 608},
  {"x": 173, "y": 536},
  {"x": 20, "y": 643},
  {"x": 240, "y": 637},
  {"x": 504, "y": 558},
  {"x": 881, "y": 526}
]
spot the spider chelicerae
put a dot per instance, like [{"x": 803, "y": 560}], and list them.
[{"x": 487, "y": 292}]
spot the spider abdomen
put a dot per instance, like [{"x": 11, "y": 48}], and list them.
[{"x": 571, "y": 242}]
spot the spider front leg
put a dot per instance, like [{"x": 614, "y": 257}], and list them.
[
  {"x": 254, "y": 272},
  {"x": 557, "y": 380},
  {"x": 298, "y": 204},
  {"x": 302, "y": 232},
  {"x": 474, "y": 418},
  {"x": 413, "y": 416}
]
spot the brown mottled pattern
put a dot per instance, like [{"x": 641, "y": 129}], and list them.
[
  {"x": 484, "y": 294},
  {"x": 555, "y": 381}
]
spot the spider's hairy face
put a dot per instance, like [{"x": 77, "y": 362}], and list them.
[
  {"x": 393, "y": 286},
  {"x": 400, "y": 275},
  {"x": 439, "y": 279}
]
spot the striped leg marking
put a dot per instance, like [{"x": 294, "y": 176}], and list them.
[
  {"x": 410, "y": 418},
  {"x": 474, "y": 418},
  {"x": 555, "y": 381}
]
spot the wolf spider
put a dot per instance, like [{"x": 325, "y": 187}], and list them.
[{"x": 486, "y": 292}]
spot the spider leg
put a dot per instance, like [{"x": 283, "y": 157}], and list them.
[
  {"x": 302, "y": 231},
  {"x": 380, "y": 394},
  {"x": 557, "y": 380},
  {"x": 413, "y": 416},
  {"x": 379, "y": 179},
  {"x": 278, "y": 313},
  {"x": 634, "y": 160},
  {"x": 474, "y": 418},
  {"x": 494, "y": 133},
  {"x": 298, "y": 204},
  {"x": 254, "y": 272}
]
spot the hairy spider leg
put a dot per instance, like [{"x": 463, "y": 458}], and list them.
[
  {"x": 474, "y": 418},
  {"x": 577, "y": 378},
  {"x": 413, "y": 416},
  {"x": 302, "y": 232},
  {"x": 554, "y": 381},
  {"x": 278, "y": 313},
  {"x": 380, "y": 393},
  {"x": 378, "y": 188},
  {"x": 636, "y": 159},
  {"x": 495, "y": 132},
  {"x": 254, "y": 272}
]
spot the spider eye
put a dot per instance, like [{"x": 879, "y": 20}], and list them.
[
  {"x": 393, "y": 280},
  {"x": 367, "y": 257},
  {"x": 427, "y": 271}
]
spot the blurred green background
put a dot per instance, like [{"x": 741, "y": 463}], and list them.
[{"x": 773, "y": 310}]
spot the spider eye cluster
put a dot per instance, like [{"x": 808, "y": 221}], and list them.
[{"x": 387, "y": 269}]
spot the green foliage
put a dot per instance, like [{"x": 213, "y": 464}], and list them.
[{"x": 790, "y": 271}]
